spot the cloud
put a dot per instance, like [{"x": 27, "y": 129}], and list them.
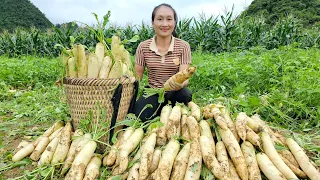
[{"x": 129, "y": 11}]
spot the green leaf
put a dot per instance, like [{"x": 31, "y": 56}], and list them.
[
  {"x": 1, "y": 145},
  {"x": 114, "y": 137},
  {"x": 131, "y": 163},
  {"x": 243, "y": 103},
  {"x": 254, "y": 101},
  {"x": 96, "y": 16},
  {"x": 155, "y": 125},
  {"x": 206, "y": 174},
  {"x": 125, "y": 41},
  {"x": 127, "y": 122},
  {"x": 280, "y": 147},
  {"x": 106, "y": 19},
  {"x": 58, "y": 45},
  {"x": 28, "y": 173},
  {"x": 109, "y": 40},
  {"x": 118, "y": 177},
  {"x": 307, "y": 129},
  {"x": 153, "y": 91},
  {"x": 135, "y": 38},
  {"x": 45, "y": 172},
  {"x": 72, "y": 40}
]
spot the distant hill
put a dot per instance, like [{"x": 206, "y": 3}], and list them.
[
  {"x": 21, "y": 13},
  {"x": 308, "y": 11}
]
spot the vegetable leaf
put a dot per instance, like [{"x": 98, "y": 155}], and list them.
[
  {"x": 153, "y": 91},
  {"x": 131, "y": 163},
  {"x": 106, "y": 19},
  {"x": 119, "y": 177},
  {"x": 135, "y": 38},
  {"x": 155, "y": 125}
]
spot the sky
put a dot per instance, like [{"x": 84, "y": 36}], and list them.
[{"x": 124, "y": 12}]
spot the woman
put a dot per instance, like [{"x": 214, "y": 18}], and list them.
[{"x": 163, "y": 56}]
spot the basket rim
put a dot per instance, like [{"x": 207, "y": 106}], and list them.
[{"x": 98, "y": 81}]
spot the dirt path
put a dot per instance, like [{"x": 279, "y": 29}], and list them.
[{"x": 11, "y": 134}]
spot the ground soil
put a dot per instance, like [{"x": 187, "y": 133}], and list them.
[{"x": 11, "y": 135}]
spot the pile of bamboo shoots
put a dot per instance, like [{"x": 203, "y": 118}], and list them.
[
  {"x": 190, "y": 143},
  {"x": 70, "y": 152},
  {"x": 205, "y": 143},
  {"x": 101, "y": 63}
]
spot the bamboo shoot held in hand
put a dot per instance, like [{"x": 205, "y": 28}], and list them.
[{"x": 179, "y": 78}]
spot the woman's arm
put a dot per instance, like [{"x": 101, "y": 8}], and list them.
[
  {"x": 139, "y": 61},
  {"x": 139, "y": 70}
]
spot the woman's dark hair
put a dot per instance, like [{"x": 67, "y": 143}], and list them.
[{"x": 174, "y": 33}]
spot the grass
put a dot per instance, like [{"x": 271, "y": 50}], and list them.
[
  {"x": 281, "y": 85},
  {"x": 27, "y": 90}
]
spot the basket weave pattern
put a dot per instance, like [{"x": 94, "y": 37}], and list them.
[{"x": 84, "y": 94}]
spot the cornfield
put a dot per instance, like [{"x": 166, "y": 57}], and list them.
[{"x": 209, "y": 34}]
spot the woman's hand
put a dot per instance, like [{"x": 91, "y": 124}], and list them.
[{"x": 175, "y": 86}]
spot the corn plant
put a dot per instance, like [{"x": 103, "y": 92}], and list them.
[
  {"x": 63, "y": 35},
  {"x": 285, "y": 32},
  {"x": 144, "y": 31},
  {"x": 209, "y": 34},
  {"x": 250, "y": 32},
  {"x": 183, "y": 28}
]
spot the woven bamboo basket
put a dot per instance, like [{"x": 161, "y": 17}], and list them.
[{"x": 84, "y": 95}]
